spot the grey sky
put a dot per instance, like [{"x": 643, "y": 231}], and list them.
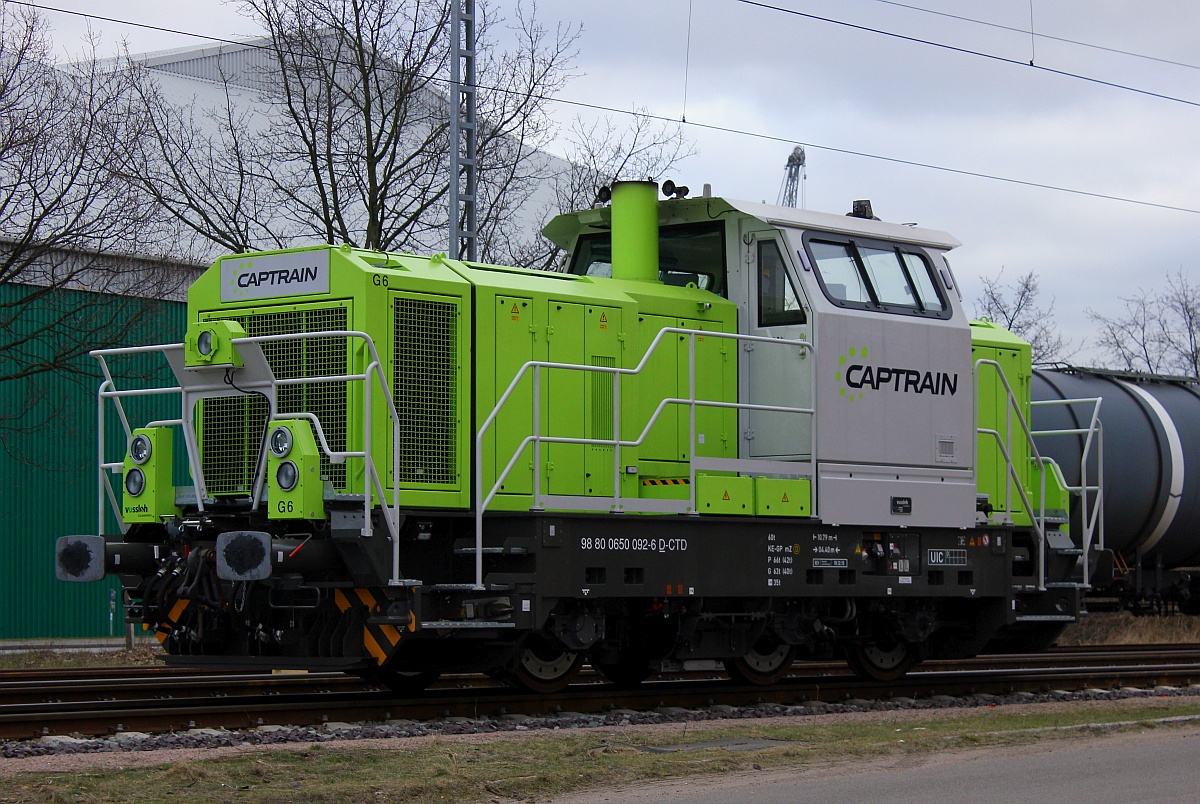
[{"x": 777, "y": 74}]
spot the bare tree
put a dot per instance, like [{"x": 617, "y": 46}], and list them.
[
  {"x": 516, "y": 128},
  {"x": 204, "y": 167},
  {"x": 1158, "y": 332},
  {"x": 349, "y": 140},
  {"x": 600, "y": 152},
  {"x": 69, "y": 222},
  {"x": 1016, "y": 306}
]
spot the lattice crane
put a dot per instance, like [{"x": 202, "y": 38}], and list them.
[{"x": 793, "y": 179}]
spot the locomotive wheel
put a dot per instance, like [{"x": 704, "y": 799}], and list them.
[
  {"x": 404, "y": 682},
  {"x": 881, "y": 662},
  {"x": 767, "y": 662},
  {"x": 543, "y": 667},
  {"x": 627, "y": 672}
]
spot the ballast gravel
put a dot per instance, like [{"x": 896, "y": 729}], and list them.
[{"x": 126, "y": 743}]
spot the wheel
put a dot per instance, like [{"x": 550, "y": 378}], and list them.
[
  {"x": 543, "y": 667},
  {"x": 627, "y": 672},
  {"x": 767, "y": 662},
  {"x": 404, "y": 682},
  {"x": 881, "y": 662}
]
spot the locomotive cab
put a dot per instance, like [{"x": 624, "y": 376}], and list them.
[{"x": 888, "y": 378}]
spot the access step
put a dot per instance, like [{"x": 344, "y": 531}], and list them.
[
  {"x": 466, "y": 587},
  {"x": 492, "y": 551},
  {"x": 1045, "y": 618}
]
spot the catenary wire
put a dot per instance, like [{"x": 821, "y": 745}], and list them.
[
  {"x": 967, "y": 51},
  {"x": 1049, "y": 37},
  {"x": 692, "y": 123}
]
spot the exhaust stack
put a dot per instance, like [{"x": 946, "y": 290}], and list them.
[{"x": 635, "y": 230}]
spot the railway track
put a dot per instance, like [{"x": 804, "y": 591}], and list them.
[{"x": 103, "y": 702}]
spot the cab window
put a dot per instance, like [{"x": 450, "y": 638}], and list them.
[
  {"x": 778, "y": 304},
  {"x": 839, "y": 272},
  {"x": 875, "y": 275}
]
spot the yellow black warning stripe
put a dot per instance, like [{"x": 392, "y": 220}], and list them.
[
  {"x": 666, "y": 481},
  {"x": 380, "y": 640},
  {"x": 165, "y": 628}
]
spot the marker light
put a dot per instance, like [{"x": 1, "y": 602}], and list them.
[
  {"x": 287, "y": 475},
  {"x": 135, "y": 482},
  {"x": 140, "y": 449},
  {"x": 280, "y": 442},
  {"x": 204, "y": 343}
]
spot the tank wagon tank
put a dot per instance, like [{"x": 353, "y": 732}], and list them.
[
  {"x": 1151, "y": 502},
  {"x": 728, "y": 433}
]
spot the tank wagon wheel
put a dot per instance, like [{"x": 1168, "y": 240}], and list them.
[
  {"x": 767, "y": 662},
  {"x": 881, "y": 662},
  {"x": 542, "y": 667},
  {"x": 404, "y": 682},
  {"x": 627, "y": 672}
]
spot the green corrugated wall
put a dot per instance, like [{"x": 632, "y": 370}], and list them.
[{"x": 48, "y": 452}]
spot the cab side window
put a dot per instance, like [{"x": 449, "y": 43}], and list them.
[
  {"x": 877, "y": 276},
  {"x": 778, "y": 304},
  {"x": 839, "y": 272}
]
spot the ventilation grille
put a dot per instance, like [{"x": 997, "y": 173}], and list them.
[
  {"x": 232, "y": 428},
  {"x": 602, "y": 401},
  {"x": 425, "y": 385},
  {"x": 946, "y": 449}
]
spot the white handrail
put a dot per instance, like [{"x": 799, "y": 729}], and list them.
[
  {"x": 1093, "y": 516},
  {"x": 372, "y": 479},
  {"x": 482, "y": 501},
  {"x": 1012, "y": 478}
]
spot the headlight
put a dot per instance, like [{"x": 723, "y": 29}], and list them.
[
  {"x": 280, "y": 442},
  {"x": 139, "y": 449},
  {"x": 286, "y": 476},
  {"x": 135, "y": 482},
  {"x": 204, "y": 342}
]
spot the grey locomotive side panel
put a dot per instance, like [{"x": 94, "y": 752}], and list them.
[
  {"x": 896, "y": 496},
  {"x": 894, "y": 390}
]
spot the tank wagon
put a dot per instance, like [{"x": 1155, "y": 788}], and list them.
[
  {"x": 729, "y": 433},
  {"x": 1152, "y": 502}
]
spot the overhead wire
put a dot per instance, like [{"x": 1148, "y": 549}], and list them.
[
  {"x": 1046, "y": 36},
  {"x": 967, "y": 51},
  {"x": 692, "y": 123}
]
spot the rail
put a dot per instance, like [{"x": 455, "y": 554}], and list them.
[
  {"x": 616, "y": 503},
  {"x": 1012, "y": 478},
  {"x": 209, "y": 382}
]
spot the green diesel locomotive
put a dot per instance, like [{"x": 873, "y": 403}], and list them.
[{"x": 727, "y": 433}]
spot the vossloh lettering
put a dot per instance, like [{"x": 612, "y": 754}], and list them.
[{"x": 302, "y": 273}]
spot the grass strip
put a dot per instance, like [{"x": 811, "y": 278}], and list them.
[{"x": 536, "y": 765}]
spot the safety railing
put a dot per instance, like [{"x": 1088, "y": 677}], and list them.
[
  {"x": 616, "y": 502},
  {"x": 1004, "y": 443},
  {"x": 256, "y": 377},
  {"x": 1091, "y": 515}
]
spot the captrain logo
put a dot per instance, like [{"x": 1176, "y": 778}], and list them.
[
  {"x": 849, "y": 392},
  {"x": 266, "y": 276},
  {"x": 244, "y": 276},
  {"x": 855, "y": 374}
]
